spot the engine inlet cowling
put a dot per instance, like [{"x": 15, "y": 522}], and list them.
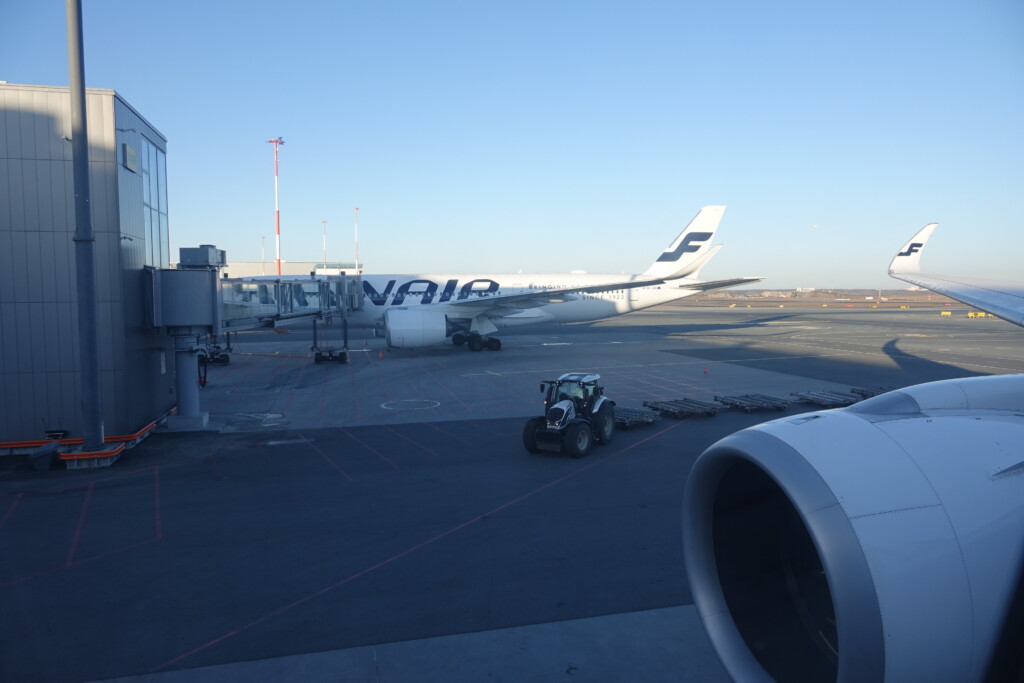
[{"x": 877, "y": 542}]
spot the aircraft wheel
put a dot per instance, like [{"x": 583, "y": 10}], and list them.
[
  {"x": 474, "y": 343},
  {"x": 458, "y": 339},
  {"x": 493, "y": 344}
]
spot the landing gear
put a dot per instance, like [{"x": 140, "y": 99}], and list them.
[{"x": 476, "y": 342}]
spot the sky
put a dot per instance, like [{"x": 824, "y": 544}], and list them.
[{"x": 550, "y": 136}]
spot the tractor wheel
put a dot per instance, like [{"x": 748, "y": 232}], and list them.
[
  {"x": 458, "y": 339},
  {"x": 577, "y": 440},
  {"x": 474, "y": 343},
  {"x": 604, "y": 423},
  {"x": 493, "y": 344},
  {"x": 530, "y": 433}
]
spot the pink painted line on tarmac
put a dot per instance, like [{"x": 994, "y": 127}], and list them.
[
  {"x": 369, "y": 448},
  {"x": 325, "y": 457},
  {"x": 404, "y": 553},
  {"x": 81, "y": 523},
  {"x": 77, "y": 563},
  {"x": 156, "y": 504},
  {"x": 10, "y": 510},
  {"x": 448, "y": 433},
  {"x": 414, "y": 442}
]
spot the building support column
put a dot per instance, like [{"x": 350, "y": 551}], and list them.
[{"x": 186, "y": 386}]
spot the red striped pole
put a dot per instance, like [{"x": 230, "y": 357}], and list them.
[{"x": 277, "y": 207}]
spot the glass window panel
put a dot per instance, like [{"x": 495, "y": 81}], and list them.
[
  {"x": 165, "y": 245},
  {"x": 149, "y": 238},
  {"x": 162, "y": 180}
]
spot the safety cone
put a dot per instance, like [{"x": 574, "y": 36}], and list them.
[
  {"x": 380, "y": 354},
  {"x": 705, "y": 369}
]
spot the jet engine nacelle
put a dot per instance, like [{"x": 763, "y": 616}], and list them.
[
  {"x": 407, "y": 328},
  {"x": 879, "y": 542}
]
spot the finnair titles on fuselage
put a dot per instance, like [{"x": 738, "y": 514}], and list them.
[{"x": 424, "y": 310}]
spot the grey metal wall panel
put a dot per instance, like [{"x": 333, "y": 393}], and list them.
[
  {"x": 66, "y": 331},
  {"x": 30, "y": 195},
  {"x": 63, "y": 267},
  {"x": 5, "y": 192},
  {"x": 8, "y": 339},
  {"x": 40, "y": 361},
  {"x": 33, "y": 265},
  {"x": 60, "y": 196},
  {"x": 54, "y": 415},
  {"x": 69, "y": 196},
  {"x": 51, "y": 338},
  {"x": 69, "y": 408},
  {"x": 20, "y": 291},
  {"x": 43, "y": 195},
  {"x": 36, "y": 335},
  {"x": 12, "y": 416},
  {"x": 44, "y": 125},
  {"x": 23, "y": 335},
  {"x": 12, "y": 124},
  {"x": 6, "y": 273},
  {"x": 4, "y": 153},
  {"x": 46, "y": 278},
  {"x": 16, "y": 182},
  {"x": 26, "y": 411},
  {"x": 59, "y": 147}
]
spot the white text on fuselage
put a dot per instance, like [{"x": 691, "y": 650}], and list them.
[{"x": 427, "y": 290}]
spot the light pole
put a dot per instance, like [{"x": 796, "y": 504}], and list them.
[
  {"x": 325, "y": 243},
  {"x": 356, "y": 210},
  {"x": 277, "y": 207},
  {"x": 263, "y": 260}
]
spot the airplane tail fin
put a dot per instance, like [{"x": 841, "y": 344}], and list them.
[
  {"x": 908, "y": 260},
  {"x": 690, "y": 247}
]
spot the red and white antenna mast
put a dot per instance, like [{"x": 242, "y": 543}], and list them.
[{"x": 277, "y": 206}]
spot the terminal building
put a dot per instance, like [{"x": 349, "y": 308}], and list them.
[
  {"x": 39, "y": 364},
  {"x": 151, "y": 316}
]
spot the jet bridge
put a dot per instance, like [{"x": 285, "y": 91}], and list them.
[{"x": 193, "y": 302}]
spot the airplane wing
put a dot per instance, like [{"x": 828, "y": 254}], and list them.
[
  {"x": 542, "y": 297},
  {"x": 718, "y": 284},
  {"x": 1000, "y": 298}
]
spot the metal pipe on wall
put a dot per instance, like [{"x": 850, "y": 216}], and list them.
[{"x": 85, "y": 262}]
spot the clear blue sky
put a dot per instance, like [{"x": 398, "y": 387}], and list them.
[{"x": 558, "y": 135}]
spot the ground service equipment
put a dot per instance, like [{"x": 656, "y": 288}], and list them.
[{"x": 576, "y": 414}]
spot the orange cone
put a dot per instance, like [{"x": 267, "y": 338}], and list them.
[{"x": 705, "y": 369}]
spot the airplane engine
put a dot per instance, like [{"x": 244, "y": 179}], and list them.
[
  {"x": 407, "y": 328},
  {"x": 877, "y": 542}
]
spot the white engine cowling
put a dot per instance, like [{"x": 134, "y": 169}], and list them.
[
  {"x": 877, "y": 542},
  {"x": 407, "y": 328}
]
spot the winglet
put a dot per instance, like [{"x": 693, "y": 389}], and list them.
[
  {"x": 908, "y": 260},
  {"x": 690, "y": 245}
]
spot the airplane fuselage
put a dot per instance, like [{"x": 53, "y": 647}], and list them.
[{"x": 383, "y": 292}]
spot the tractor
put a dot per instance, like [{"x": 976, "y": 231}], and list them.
[{"x": 576, "y": 414}]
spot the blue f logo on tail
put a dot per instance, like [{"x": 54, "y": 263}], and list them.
[
  {"x": 692, "y": 242},
  {"x": 912, "y": 249}
]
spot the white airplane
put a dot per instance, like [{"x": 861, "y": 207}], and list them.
[
  {"x": 879, "y": 542},
  {"x": 423, "y": 310},
  {"x": 1000, "y": 298}
]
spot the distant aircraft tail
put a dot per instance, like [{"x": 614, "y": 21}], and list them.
[
  {"x": 908, "y": 260},
  {"x": 691, "y": 249}
]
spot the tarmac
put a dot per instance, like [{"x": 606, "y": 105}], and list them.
[{"x": 380, "y": 520}]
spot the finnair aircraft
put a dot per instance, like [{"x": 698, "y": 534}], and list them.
[
  {"x": 878, "y": 542},
  {"x": 424, "y": 310},
  {"x": 1000, "y": 298}
]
